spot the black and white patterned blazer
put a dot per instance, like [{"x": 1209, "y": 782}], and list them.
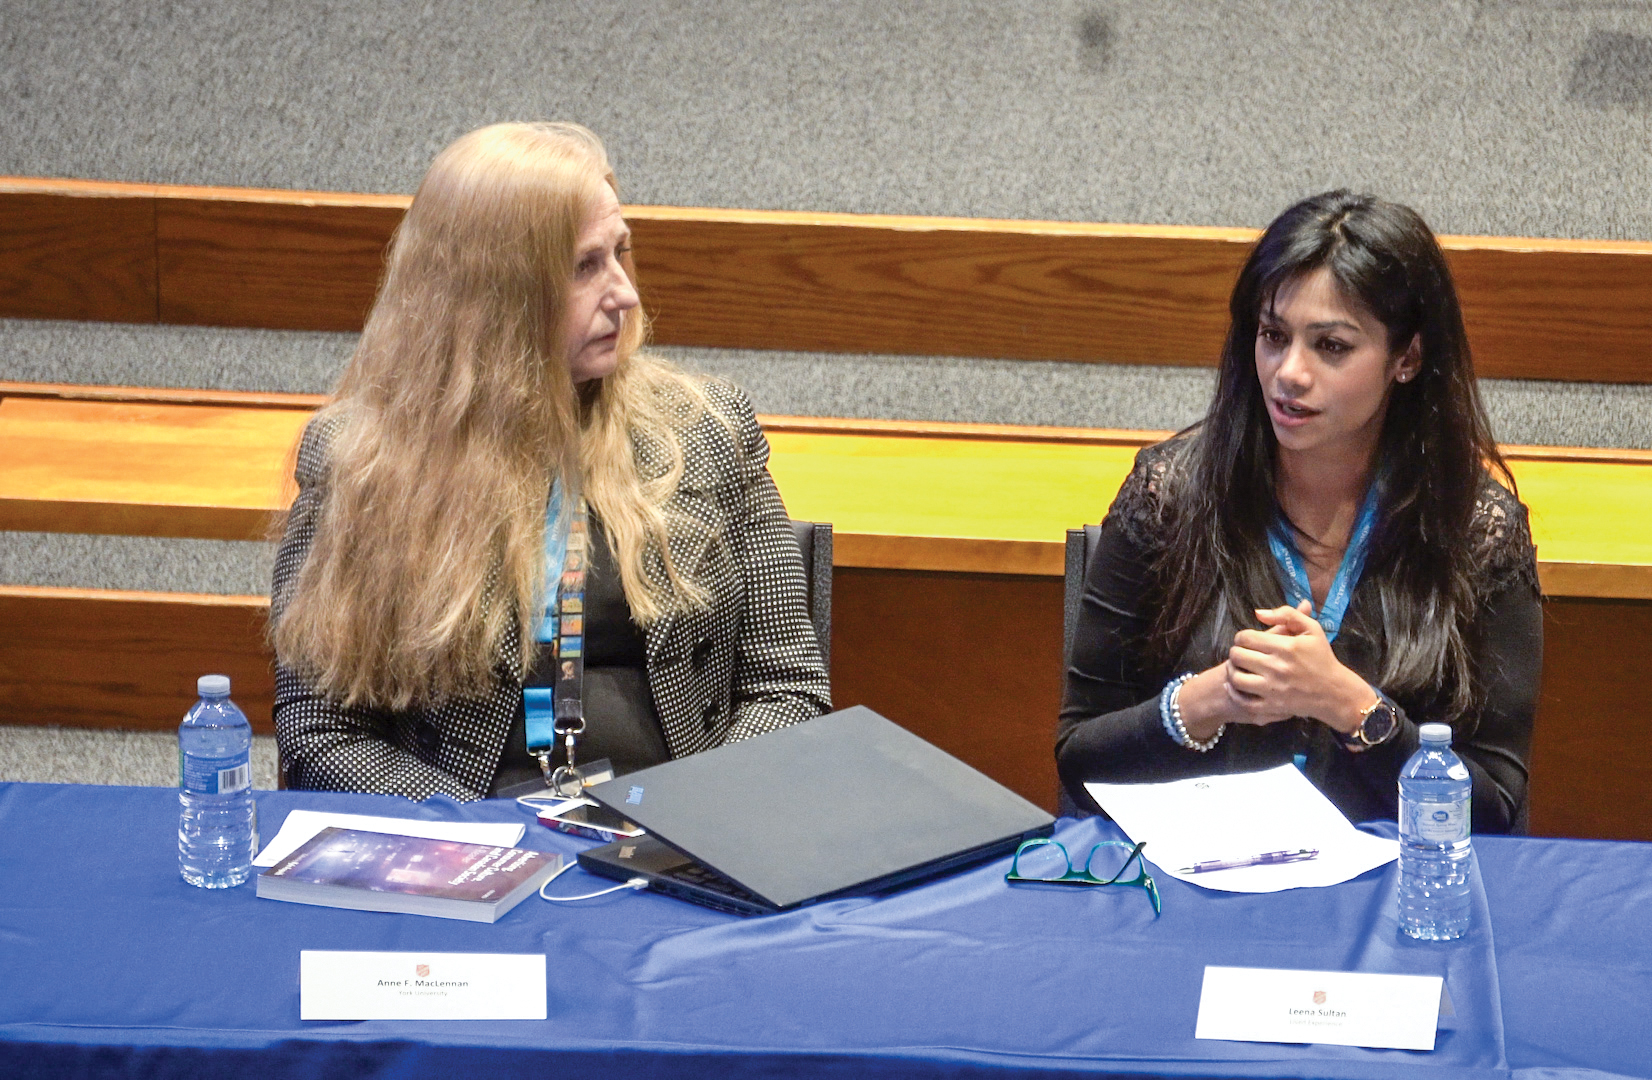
[{"x": 747, "y": 664}]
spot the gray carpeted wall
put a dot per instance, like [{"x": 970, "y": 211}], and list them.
[{"x": 1516, "y": 117}]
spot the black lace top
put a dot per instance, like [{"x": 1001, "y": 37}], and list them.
[{"x": 1110, "y": 727}]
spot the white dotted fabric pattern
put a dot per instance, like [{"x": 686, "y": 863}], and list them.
[{"x": 747, "y": 664}]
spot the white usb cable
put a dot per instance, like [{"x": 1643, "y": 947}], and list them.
[{"x": 634, "y": 883}]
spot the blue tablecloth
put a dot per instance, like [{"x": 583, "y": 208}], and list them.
[{"x": 111, "y": 966}]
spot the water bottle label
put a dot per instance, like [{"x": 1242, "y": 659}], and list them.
[
  {"x": 214, "y": 776},
  {"x": 1438, "y": 823}
]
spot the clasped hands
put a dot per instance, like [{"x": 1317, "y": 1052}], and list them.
[{"x": 1285, "y": 670}]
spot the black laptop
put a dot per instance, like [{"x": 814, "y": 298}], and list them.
[{"x": 846, "y": 804}]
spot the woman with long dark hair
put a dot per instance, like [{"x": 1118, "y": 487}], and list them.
[{"x": 1332, "y": 557}]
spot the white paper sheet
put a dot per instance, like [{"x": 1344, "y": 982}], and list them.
[
  {"x": 302, "y": 825},
  {"x": 1239, "y": 815}
]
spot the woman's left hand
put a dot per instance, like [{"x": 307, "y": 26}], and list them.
[{"x": 1289, "y": 668}]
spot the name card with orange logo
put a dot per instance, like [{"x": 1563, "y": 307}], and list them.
[
  {"x": 420, "y": 986},
  {"x": 1346, "y": 1008}
]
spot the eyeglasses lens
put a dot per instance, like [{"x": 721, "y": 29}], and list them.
[
  {"x": 1110, "y": 861},
  {"x": 1043, "y": 862}
]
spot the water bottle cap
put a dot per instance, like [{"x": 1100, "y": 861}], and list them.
[
  {"x": 1435, "y": 733},
  {"x": 212, "y": 685}
]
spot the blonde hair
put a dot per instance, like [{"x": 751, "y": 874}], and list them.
[{"x": 452, "y": 420}]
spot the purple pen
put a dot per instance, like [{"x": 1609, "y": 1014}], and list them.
[{"x": 1266, "y": 859}]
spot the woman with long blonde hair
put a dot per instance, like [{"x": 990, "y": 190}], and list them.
[{"x": 510, "y": 520}]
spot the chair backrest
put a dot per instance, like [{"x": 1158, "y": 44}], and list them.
[
  {"x": 1080, "y": 543},
  {"x": 814, "y": 539}
]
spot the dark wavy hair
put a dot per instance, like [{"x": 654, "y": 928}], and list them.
[{"x": 1435, "y": 447}]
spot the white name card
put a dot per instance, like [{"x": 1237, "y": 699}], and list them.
[
  {"x": 420, "y": 986},
  {"x": 1392, "y": 1012}
]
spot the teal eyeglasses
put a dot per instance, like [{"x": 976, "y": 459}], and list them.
[{"x": 1046, "y": 862}]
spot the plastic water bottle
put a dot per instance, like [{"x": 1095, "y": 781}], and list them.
[
  {"x": 1435, "y": 849},
  {"x": 217, "y": 821}
]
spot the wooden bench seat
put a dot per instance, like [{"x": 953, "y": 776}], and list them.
[
  {"x": 131, "y": 468},
  {"x": 909, "y": 496}
]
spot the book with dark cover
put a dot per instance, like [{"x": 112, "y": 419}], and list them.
[{"x": 371, "y": 871}]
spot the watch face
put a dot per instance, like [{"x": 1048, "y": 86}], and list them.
[{"x": 1378, "y": 725}]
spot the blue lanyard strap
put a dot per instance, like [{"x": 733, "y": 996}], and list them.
[
  {"x": 556, "y": 710},
  {"x": 1294, "y": 571},
  {"x": 556, "y": 555}
]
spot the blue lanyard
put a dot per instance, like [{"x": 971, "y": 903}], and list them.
[
  {"x": 1294, "y": 571},
  {"x": 559, "y": 709},
  {"x": 556, "y": 556}
]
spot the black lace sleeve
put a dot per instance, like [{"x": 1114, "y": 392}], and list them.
[
  {"x": 1137, "y": 510},
  {"x": 1504, "y": 555}
]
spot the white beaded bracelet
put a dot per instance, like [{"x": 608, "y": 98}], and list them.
[{"x": 1170, "y": 714}]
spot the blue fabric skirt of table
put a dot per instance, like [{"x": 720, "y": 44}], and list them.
[{"x": 111, "y": 966}]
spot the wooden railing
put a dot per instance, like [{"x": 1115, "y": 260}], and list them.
[
  {"x": 1138, "y": 294},
  {"x": 106, "y": 658}
]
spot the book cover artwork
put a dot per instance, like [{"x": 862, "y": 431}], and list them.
[{"x": 436, "y": 876}]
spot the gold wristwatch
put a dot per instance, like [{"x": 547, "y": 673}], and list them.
[{"x": 1377, "y": 724}]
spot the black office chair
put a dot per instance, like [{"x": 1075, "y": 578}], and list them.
[
  {"x": 1080, "y": 542},
  {"x": 814, "y": 539}
]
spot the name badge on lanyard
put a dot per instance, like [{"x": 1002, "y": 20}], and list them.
[
  {"x": 1293, "y": 570},
  {"x": 559, "y": 710}
]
